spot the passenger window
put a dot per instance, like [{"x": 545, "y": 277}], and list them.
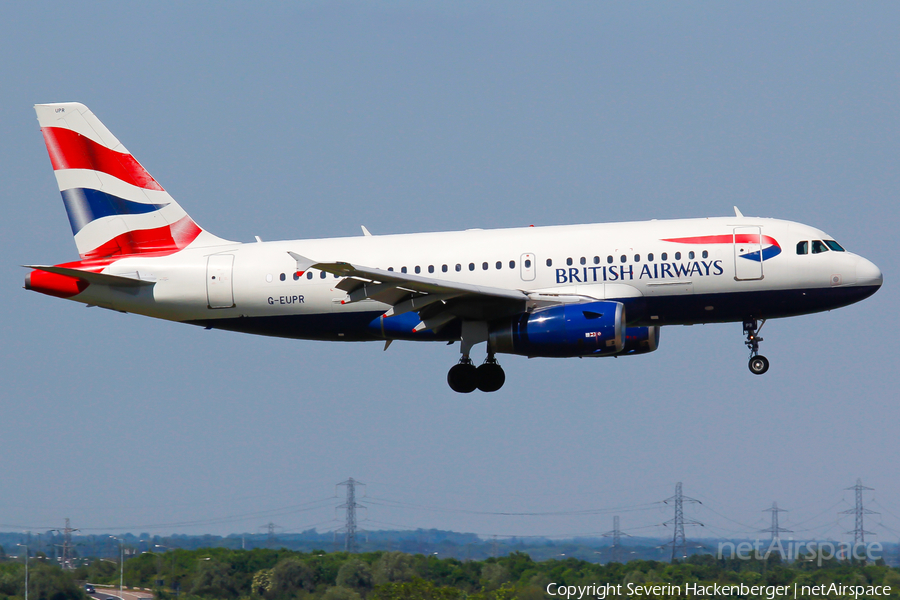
[
  {"x": 678, "y": 256},
  {"x": 691, "y": 255},
  {"x": 296, "y": 275},
  {"x": 650, "y": 257},
  {"x": 309, "y": 275},
  {"x": 471, "y": 266},
  {"x": 623, "y": 258},
  {"x": 458, "y": 267},
  {"x": 527, "y": 264},
  {"x": 484, "y": 266},
  {"x": 818, "y": 247},
  {"x": 431, "y": 268},
  {"x": 637, "y": 258},
  {"x": 834, "y": 245},
  {"x": 609, "y": 259},
  {"x": 705, "y": 254},
  {"x": 549, "y": 262},
  {"x": 665, "y": 256},
  {"x": 443, "y": 268},
  {"x": 281, "y": 277},
  {"x": 390, "y": 268},
  {"x": 403, "y": 269},
  {"x": 569, "y": 261},
  {"x": 499, "y": 265},
  {"x": 323, "y": 275},
  {"x": 418, "y": 269},
  {"x": 583, "y": 260},
  {"x": 596, "y": 260},
  {"x": 803, "y": 247},
  {"x": 512, "y": 264}
]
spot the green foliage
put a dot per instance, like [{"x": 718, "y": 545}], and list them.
[
  {"x": 214, "y": 579},
  {"x": 416, "y": 589},
  {"x": 265, "y": 574},
  {"x": 355, "y": 574},
  {"x": 262, "y": 582},
  {"x": 340, "y": 593},
  {"x": 394, "y": 567},
  {"x": 290, "y": 575}
]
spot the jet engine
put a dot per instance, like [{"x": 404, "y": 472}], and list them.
[
  {"x": 641, "y": 340},
  {"x": 588, "y": 329}
]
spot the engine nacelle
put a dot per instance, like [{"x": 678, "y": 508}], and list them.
[
  {"x": 589, "y": 329},
  {"x": 641, "y": 340}
]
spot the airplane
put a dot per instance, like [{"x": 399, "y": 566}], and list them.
[{"x": 590, "y": 290}]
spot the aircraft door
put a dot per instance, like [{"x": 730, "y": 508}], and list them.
[
  {"x": 527, "y": 267},
  {"x": 219, "y": 288},
  {"x": 748, "y": 264}
]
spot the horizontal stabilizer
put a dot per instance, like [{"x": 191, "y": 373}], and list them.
[{"x": 97, "y": 278}]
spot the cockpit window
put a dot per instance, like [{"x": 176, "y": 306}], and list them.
[
  {"x": 803, "y": 247},
  {"x": 834, "y": 245},
  {"x": 819, "y": 246}
]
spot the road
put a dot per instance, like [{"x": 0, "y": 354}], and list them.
[{"x": 113, "y": 594}]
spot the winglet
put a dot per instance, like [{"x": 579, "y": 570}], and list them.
[
  {"x": 737, "y": 212},
  {"x": 365, "y": 231}
]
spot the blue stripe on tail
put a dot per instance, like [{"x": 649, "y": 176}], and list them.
[{"x": 84, "y": 205}]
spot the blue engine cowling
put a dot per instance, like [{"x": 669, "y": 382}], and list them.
[
  {"x": 641, "y": 340},
  {"x": 589, "y": 329}
]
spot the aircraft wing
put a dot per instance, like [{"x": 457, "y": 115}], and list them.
[{"x": 437, "y": 301}]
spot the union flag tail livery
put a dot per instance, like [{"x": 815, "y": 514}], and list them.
[
  {"x": 115, "y": 206},
  {"x": 567, "y": 291}
]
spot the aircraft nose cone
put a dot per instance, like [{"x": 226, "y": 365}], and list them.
[{"x": 867, "y": 273}]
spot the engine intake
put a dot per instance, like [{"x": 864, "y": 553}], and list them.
[{"x": 589, "y": 329}]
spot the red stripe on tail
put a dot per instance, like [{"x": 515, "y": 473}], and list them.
[
  {"x": 71, "y": 150},
  {"x": 160, "y": 241}
]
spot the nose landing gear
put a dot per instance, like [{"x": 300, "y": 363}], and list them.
[{"x": 758, "y": 364}]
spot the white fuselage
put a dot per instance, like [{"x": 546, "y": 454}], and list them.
[{"x": 661, "y": 282}]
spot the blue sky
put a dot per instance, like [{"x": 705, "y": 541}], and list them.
[{"x": 309, "y": 120}]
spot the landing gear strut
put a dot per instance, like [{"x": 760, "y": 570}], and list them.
[
  {"x": 464, "y": 377},
  {"x": 758, "y": 364}
]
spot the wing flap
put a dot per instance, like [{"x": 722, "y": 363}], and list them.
[{"x": 438, "y": 301}]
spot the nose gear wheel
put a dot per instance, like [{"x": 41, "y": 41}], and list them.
[{"x": 758, "y": 363}]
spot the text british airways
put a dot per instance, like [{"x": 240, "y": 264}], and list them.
[{"x": 700, "y": 268}]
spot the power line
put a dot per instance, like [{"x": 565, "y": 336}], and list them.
[
  {"x": 350, "y": 544},
  {"x": 679, "y": 543},
  {"x": 616, "y": 534},
  {"x": 775, "y": 529},
  {"x": 859, "y": 532}
]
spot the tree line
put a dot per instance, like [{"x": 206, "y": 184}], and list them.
[{"x": 268, "y": 574}]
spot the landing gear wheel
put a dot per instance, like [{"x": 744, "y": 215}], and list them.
[
  {"x": 490, "y": 377},
  {"x": 463, "y": 378},
  {"x": 758, "y": 364}
]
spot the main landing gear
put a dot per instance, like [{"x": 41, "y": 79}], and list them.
[
  {"x": 758, "y": 364},
  {"x": 465, "y": 377}
]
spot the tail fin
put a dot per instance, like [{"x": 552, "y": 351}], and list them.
[{"x": 115, "y": 207}]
